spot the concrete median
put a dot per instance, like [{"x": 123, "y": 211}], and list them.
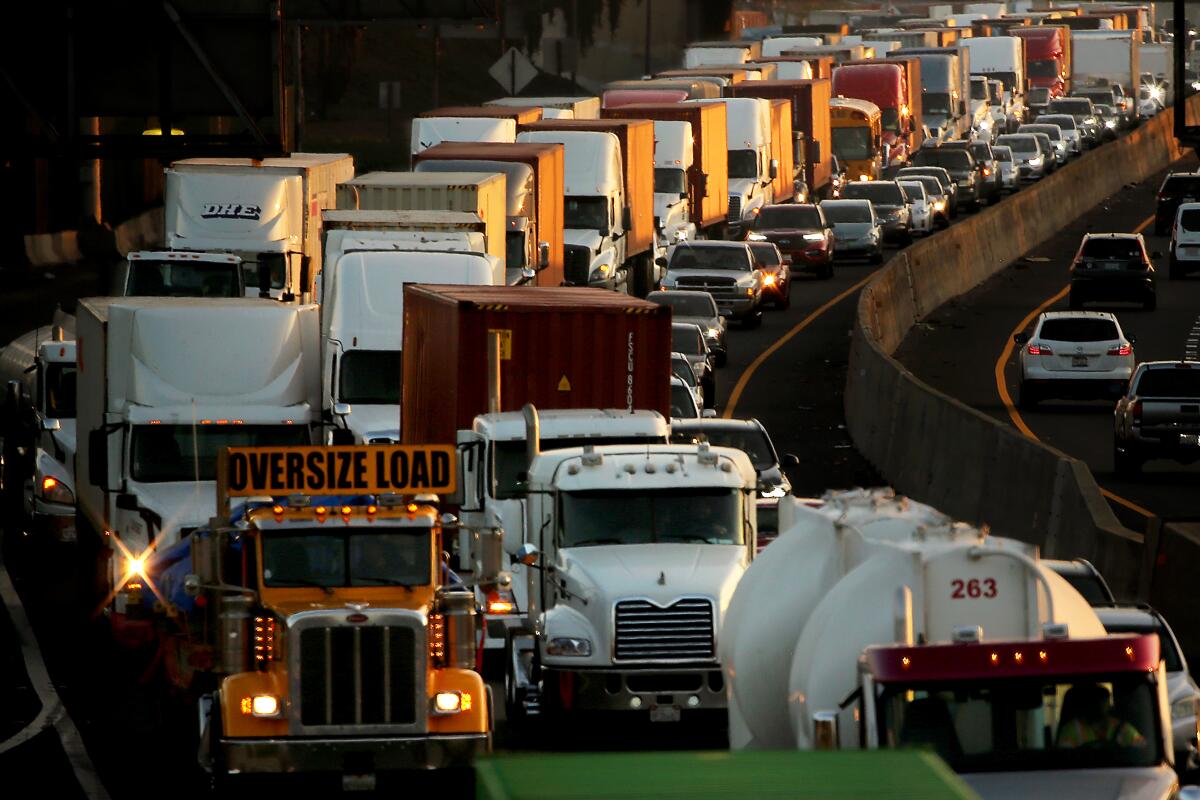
[{"x": 939, "y": 450}]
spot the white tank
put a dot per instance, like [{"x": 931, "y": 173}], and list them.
[{"x": 865, "y": 568}]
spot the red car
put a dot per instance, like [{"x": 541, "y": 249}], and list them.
[
  {"x": 801, "y": 232},
  {"x": 777, "y": 275}
]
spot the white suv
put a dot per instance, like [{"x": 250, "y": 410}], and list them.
[
  {"x": 1076, "y": 355},
  {"x": 1185, "y": 240}
]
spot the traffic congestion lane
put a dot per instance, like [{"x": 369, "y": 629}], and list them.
[{"x": 963, "y": 349}]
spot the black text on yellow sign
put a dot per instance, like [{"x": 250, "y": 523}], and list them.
[{"x": 365, "y": 469}]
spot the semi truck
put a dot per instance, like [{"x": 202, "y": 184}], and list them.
[
  {"x": 751, "y": 169},
  {"x": 372, "y": 256},
  {"x": 608, "y": 187},
  {"x": 314, "y": 628},
  {"x": 1002, "y": 58},
  {"x": 691, "y": 180},
  {"x": 534, "y": 183},
  {"x": 266, "y": 212},
  {"x": 858, "y": 138},
  {"x": 695, "y": 88},
  {"x": 703, "y": 54},
  {"x": 483, "y": 194},
  {"x": 163, "y": 384},
  {"x": 469, "y": 124},
  {"x": 633, "y": 552},
  {"x": 1105, "y": 57},
  {"x": 1047, "y": 57},
  {"x": 810, "y": 118},
  {"x": 38, "y": 430},
  {"x": 886, "y": 85},
  {"x": 944, "y": 91},
  {"x": 877, "y": 623}
]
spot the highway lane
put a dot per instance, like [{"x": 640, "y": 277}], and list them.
[{"x": 958, "y": 350}]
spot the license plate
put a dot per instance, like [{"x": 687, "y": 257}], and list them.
[
  {"x": 667, "y": 713},
  {"x": 1189, "y": 439},
  {"x": 1079, "y": 361}
]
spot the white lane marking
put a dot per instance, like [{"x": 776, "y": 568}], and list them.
[{"x": 53, "y": 711}]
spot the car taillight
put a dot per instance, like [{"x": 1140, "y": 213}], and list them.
[
  {"x": 1124, "y": 349},
  {"x": 1136, "y": 410},
  {"x": 1039, "y": 350}
]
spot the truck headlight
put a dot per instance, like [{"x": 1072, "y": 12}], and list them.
[
  {"x": 55, "y": 491},
  {"x": 451, "y": 702},
  {"x": 569, "y": 646},
  {"x": 260, "y": 705}
]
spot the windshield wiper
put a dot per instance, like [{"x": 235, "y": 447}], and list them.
[
  {"x": 596, "y": 541},
  {"x": 685, "y": 537},
  {"x": 383, "y": 580},
  {"x": 304, "y": 582}
]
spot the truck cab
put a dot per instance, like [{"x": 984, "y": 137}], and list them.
[
  {"x": 673, "y": 154},
  {"x": 167, "y": 273},
  {"x": 634, "y": 554},
  {"x": 751, "y": 168},
  {"x": 333, "y": 635}
]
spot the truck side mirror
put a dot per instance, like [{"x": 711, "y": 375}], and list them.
[
  {"x": 661, "y": 261},
  {"x": 264, "y": 275},
  {"x": 98, "y": 458},
  {"x": 527, "y": 554},
  {"x": 543, "y": 255},
  {"x": 825, "y": 730},
  {"x": 773, "y": 169},
  {"x": 342, "y": 409}
]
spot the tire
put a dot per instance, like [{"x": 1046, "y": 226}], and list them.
[{"x": 1027, "y": 397}]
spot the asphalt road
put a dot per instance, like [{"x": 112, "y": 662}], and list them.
[{"x": 957, "y": 349}]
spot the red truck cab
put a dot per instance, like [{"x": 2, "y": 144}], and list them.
[
  {"x": 885, "y": 85},
  {"x": 1047, "y": 57}
]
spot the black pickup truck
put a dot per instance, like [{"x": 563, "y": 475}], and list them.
[{"x": 1158, "y": 416}]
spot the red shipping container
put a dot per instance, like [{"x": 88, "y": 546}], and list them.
[{"x": 561, "y": 347}]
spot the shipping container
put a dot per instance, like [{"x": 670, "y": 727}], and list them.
[
  {"x": 822, "y": 66},
  {"x": 810, "y": 116},
  {"x": 727, "y": 75},
  {"x": 518, "y": 114},
  {"x": 637, "y": 156},
  {"x": 783, "y": 151},
  {"x": 560, "y": 347},
  {"x": 572, "y": 107},
  {"x": 708, "y": 181},
  {"x": 480, "y": 193},
  {"x": 696, "y": 89},
  {"x": 615, "y": 98},
  {"x": 535, "y": 215}
]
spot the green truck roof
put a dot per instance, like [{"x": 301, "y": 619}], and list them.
[{"x": 894, "y": 774}]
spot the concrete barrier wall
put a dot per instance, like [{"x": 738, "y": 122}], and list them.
[{"x": 940, "y": 451}]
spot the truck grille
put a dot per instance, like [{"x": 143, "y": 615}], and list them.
[
  {"x": 577, "y": 261},
  {"x": 719, "y": 288},
  {"x": 358, "y": 675},
  {"x": 682, "y": 631},
  {"x": 735, "y": 209}
]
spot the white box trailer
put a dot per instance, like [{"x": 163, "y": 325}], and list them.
[
  {"x": 1105, "y": 57},
  {"x": 265, "y": 211}
]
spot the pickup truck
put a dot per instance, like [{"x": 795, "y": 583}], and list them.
[{"x": 1158, "y": 416}]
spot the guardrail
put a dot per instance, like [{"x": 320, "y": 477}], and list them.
[{"x": 939, "y": 450}]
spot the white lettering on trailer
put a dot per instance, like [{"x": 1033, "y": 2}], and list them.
[{"x": 629, "y": 374}]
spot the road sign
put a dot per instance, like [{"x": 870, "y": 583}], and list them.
[
  {"x": 513, "y": 71},
  {"x": 358, "y": 469}
]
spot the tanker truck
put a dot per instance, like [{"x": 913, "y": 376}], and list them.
[{"x": 876, "y": 623}]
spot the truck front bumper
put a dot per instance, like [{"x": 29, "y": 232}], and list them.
[
  {"x": 663, "y": 692},
  {"x": 383, "y": 754}
]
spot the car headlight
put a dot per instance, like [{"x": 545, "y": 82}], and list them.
[
  {"x": 1110, "y": 123},
  {"x": 569, "y": 646},
  {"x": 1036, "y": 161},
  {"x": 55, "y": 491},
  {"x": 939, "y": 205},
  {"x": 712, "y": 333},
  {"x": 814, "y": 237},
  {"x": 756, "y": 237},
  {"x": 1181, "y": 709}
]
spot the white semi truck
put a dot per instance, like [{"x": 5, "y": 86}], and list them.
[
  {"x": 1002, "y": 58},
  {"x": 266, "y": 212},
  {"x": 751, "y": 168},
  {"x": 428, "y": 131},
  {"x": 673, "y": 160},
  {"x": 164, "y": 384},
  {"x": 874, "y": 622},
  {"x": 371, "y": 256},
  {"x": 38, "y": 429},
  {"x": 632, "y": 554}
]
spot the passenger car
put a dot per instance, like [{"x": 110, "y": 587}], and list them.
[
  {"x": 1074, "y": 354},
  {"x": 1084, "y": 578},
  {"x": 800, "y": 231},
  {"x": 1009, "y": 179},
  {"x": 683, "y": 401},
  {"x": 1114, "y": 267},
  {"x": 687, "y": 339},
  {"x": 1053, "y": 141},
  {"x": 985, "y": 162},
  {"x": 749, "y": 436},
  {"x": 700, "y": 309},
  {"x": 1071, "y": 131},
  {"x": 1083, "y": 112},
  {"x": 1158, "y": 416},
  {"x": 681, "y": 368},
  {"x": 891, "y": 208},
  {"x": 1177, "y": 188},
  {"x": 856, "y": 229},
  {"x": 777, "y": 273},
  {"x": 1027, "y": 155},
  {"x": 1036, "y": 101},
  {"x": 920, "y": 209},
  {"x": 939, "y": 200},
  {"x": 1183, "y": 694},
  {"x": 961, "y": 166},
  {"x": 726, "y": 270},
  {"x": 1110, "y": 121},
  {"x": 943, "y": 177},
  {"x": 1185, "y": 240}
]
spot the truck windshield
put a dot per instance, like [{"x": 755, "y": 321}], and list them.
[
  {"x": 60, "y": 390},
  {"x": 1175, "y": 382},
  {"x": 670, "y": 181},
  {"x": 323, "y": 558},
  {"x": 370, "y": 377},
  {"x": 1041, "y": 69},
  {"x": 700, "y": 515},
  {"x": 585, "y": 213},
  {"x": 852, "y": 144},
  {"x": 510, "y": 461},
  {"x": 514, "y": 249},
  {"x": 162, "y": 453},
  {"x": 979, "y": 90},
  {"x": 693, "y": 257},
  {"x": 183, "y": 279},
  {"x": 1017, "y": 725},
  {"x": 743, "y": 164},
  {"x": 936, "y": 104},
  {"x": 889, "y": 118}
]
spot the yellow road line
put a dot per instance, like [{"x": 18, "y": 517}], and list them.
[
  {"x": 1006, "y": 398},
  {"x": 748, "y": 373}
]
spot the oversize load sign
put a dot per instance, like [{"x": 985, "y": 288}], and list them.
[{"x": 363, "y": 469}]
